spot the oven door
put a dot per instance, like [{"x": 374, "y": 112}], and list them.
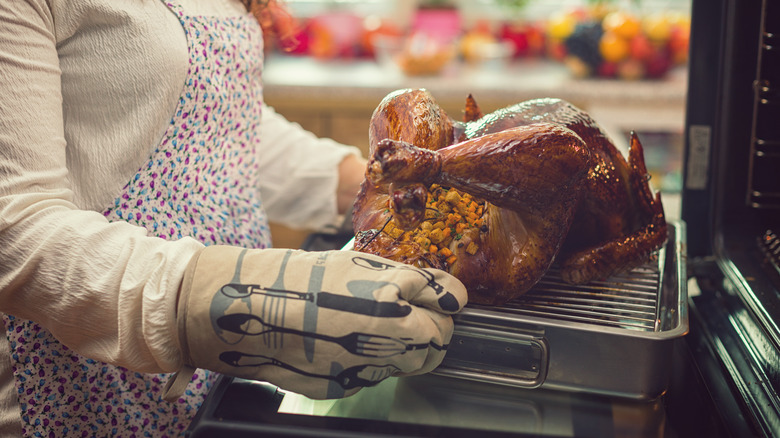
[{"x": 731, "y": 203}]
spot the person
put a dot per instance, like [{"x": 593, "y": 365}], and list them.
[{"x": 139, "y": 168}]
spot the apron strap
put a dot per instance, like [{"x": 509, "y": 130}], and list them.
[{"x": 177, "y": 383}]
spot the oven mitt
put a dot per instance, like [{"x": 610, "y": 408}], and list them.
[{"x": 321, "y": 324}]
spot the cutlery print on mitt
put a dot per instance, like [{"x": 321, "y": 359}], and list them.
[
  {"x": 328, "y": 300},
  {"x": 361, "y": 344},
  {"x": 353, "y": 377}
]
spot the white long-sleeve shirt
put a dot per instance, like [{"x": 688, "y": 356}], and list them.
[{"x": 87, "y": 88}]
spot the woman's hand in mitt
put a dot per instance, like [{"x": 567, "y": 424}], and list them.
[{"x": 322, "y": 324}]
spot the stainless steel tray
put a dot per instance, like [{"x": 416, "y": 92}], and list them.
[{"x": 610, "y": 337}]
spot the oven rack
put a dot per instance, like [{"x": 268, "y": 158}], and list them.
[{"x": 629, "y": 300}]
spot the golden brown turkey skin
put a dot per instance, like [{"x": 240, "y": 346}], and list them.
[
  {"x": 555, "y": 188},
  {"x": 618, "y": 222},
  {"x": 414, "y": 117}
]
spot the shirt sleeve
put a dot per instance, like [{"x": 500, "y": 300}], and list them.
[
  {"x": 299, "y": 173},
  {"x": 106, "y": 290}
]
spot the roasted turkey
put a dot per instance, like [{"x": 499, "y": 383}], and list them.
[{"x": 496, "y": 199}]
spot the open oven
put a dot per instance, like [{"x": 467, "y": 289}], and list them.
[
  {"x": 686, "y": 345},
  {"x": 731, "y": 203}
]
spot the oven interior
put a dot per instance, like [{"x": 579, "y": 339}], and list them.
[{"x": 731, "y": 205}]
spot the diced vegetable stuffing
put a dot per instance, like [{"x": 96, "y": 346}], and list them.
[{"x": 449, "y": 213}]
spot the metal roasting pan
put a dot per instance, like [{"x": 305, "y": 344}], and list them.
[{"x": 611, "y": 337}]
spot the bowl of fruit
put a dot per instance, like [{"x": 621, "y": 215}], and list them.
[{"x": 619, "y": 44}]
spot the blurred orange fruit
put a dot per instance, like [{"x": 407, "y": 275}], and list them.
[
  {"x": 613, "y": 47},
  {"x": 622, "y": 24}
]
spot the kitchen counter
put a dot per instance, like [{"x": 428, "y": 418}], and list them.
[{"x": 305, "y": 89}]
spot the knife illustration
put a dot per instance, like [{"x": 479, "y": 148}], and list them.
[{"x": 327, "y": 300}]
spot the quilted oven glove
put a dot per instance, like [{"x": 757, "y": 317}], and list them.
[{"x": 321, "y": 324}]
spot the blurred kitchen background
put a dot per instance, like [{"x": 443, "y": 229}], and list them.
[{"x": 622, "y": 61}]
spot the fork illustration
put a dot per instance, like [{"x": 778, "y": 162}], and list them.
[{"x": 360, "y": 344}]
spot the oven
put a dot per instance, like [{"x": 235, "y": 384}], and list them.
[
  {"x": 685, "y": 345},
  {"x": 731, "y": 203}
]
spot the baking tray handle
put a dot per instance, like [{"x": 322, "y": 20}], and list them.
[{"x": 515, "y": 358}]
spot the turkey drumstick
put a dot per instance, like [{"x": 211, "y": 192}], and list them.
[{"x": 523, "y": 169}]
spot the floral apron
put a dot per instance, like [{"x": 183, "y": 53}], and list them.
[{"x": 201, "y": 182}]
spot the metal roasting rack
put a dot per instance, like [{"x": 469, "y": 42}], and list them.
[
  {"x": 611, "y": 337},
  {"x": 627, "y": 301}
]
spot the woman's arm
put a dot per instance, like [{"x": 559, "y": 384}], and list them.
[
  {"x": 107, "y": 290},
  {"x": 305, "y": 181},
  {"x": 351, "y": 172}
]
